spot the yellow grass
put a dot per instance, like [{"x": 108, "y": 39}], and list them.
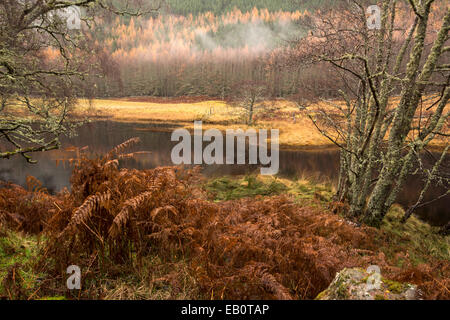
[
  {"x": 216, "y": 114},
  {"x": 122, "y": 110}
]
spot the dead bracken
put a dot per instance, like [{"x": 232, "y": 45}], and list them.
[{"x": 253, "y": 248}]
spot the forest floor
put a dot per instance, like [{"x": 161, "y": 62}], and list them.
[
  {"x": 414, "y": 250},
  {"x": 297, "y": 131},
  {"x": 170, "y": 233}
]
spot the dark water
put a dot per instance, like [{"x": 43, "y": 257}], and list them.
[{"x": 100, "y": 137}]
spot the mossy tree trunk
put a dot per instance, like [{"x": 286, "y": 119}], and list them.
[{"x": 382, "y": 129}]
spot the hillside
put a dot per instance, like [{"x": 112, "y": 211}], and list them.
[{"x": 185, "y": 7}]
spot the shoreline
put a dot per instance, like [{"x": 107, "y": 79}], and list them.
[
  {"x": 168, "y": 126},
  {"x": 297, "y": 132}
]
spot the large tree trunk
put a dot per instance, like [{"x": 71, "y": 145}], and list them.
[{"x": 380, "y": 142}]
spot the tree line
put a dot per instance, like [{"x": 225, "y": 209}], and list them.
[
  {"x": 170, "y": 55},
  {"x": 195, "y": 7}
]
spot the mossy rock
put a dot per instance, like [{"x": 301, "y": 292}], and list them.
[{"x": 354, "y": 284}]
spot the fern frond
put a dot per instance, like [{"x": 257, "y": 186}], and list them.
[
  {"x": 82, "y": 214},
  {"x": 116, "y": 151},
  {"x": 156, "y": 213},
  {"x": 272, "y": 285},
  {"x": 34, "y": 185},
  {"x": 124, "y": 215}
]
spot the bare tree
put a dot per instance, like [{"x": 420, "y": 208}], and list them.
[
  {"x": 394, "y": 99},
  {"x": 36, "y": 95},
  {"x": 248, "y": 95}
]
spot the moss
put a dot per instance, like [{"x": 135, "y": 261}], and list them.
[
  {"x": 321, "y": 295},
  {"x": 54, "y": 298},
  {"x": 337, "y": 290},
  {"x": 379, "y": 297},
  {"x": 364, "y": 280},
  {"x": 394, "y": 286},
  {"x": 416, "y": 237},
  {"x": 229, "y": 188},
  {"x": 342, "y": 292},
  {"x": 307, "y": 190},
  {"x": 21, "y": 251},
  {"x": 341, "y": 288}
]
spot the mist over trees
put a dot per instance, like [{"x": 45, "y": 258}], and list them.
[
  {"x": 171, "y": 55},
  {"x": 204, "y": 53}
]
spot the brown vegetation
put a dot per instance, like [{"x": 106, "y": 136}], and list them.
[
  {"x": 169, "y": 100},
  {"x": 260, "y": 248}
]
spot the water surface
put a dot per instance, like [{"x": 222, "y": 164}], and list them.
[{"x": 101, "y": 136}]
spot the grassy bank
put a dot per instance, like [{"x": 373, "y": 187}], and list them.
[
  {"x": 296, "y": 130},
  {"x": 411, "y": 252},
  {"x": 214, "y": 114}
]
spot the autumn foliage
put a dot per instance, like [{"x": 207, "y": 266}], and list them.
[
  {"x": 208, "y": 54},
  {"x": 255, "y": 248},
  {"x": 175, "y": 55}
]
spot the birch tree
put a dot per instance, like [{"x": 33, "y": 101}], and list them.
[
  {"x": 36, "y": 95},
  {"x": 248, "y": 96},
  {"x": 395, "y": 97}
]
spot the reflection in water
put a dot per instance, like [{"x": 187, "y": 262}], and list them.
[{"x": 102, "y": 136}]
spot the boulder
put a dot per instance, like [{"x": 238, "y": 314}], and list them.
[{"x": 359, "y": 284}]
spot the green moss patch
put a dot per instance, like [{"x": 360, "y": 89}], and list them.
[
  {"x": 18, "y": 252},
  {"x": 417, "y": 238},
  {"x": 229, "y": 188}
]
